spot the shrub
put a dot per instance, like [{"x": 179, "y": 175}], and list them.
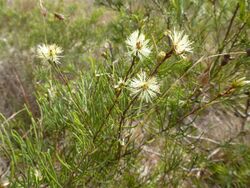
[{"x": 121, "y": 104}]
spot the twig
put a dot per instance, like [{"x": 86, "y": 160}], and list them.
[
  {"x": 203, "y": 138},
  {"x": 214, "y": 152},
  {"x": 168, "y": 55},
  {"x": 230, "y": 25},
  {"x": 115, "y": 101},
  {"x": 196, "y": 63},
  {"x": 12, "y": 116},
  {"x": 237, "y": 35},
  {"x": 246, "y": 115},
  {"x": 228, "y": 91}
]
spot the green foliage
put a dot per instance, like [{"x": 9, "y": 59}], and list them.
[{"x": 90, "y": 133}]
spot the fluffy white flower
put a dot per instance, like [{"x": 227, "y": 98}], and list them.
[
  {"x": 146, "y": 88},
  {"x": 49, "y": 52},
  {"x": 138, "y": 45},
  {"x": 180, "y": 42}
]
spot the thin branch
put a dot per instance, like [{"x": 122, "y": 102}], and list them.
[
  {"x": 246, "y": 115},
  {"x": 12, "y": 116}
]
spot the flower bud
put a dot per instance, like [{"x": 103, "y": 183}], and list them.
[
  {"x": 248, "y": 51},
  {"x": 59, "y": 16},
  {"x": 104, "y": 55},
  {"x": 161, "y": 56},
  {"x": 225, "y": 60},
  {"x": 240, "y": 82},
  {"x": 107, "y": 45},
  {"x": 167, "y": 32}
]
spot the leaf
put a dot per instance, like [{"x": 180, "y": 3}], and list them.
[
  {"x": 243, "y": 9},
  {"x": 179, "y": 6}
]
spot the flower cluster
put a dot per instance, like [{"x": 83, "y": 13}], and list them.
[
  {"x": 148, "y": 88},
  {"x": 145, "y": 88},
  {"x": 49, "y": 52},
  {"x": 138, "y": 45},
  {"x": 180, "y": 42}
]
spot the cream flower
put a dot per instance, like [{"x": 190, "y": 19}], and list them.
[
  {"x": 138, "y": 45},
  {"x": 180, "y": 42},
  {"x": 145, "y": 88},
  {"x": 121, "y": 84},
  {"x": 240, "y": 82},
  {"x": 49, "y": 52},
  {"x": 38, "y": 174}
]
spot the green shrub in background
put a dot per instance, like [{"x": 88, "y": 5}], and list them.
[{"x": 120, "y": 91}]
